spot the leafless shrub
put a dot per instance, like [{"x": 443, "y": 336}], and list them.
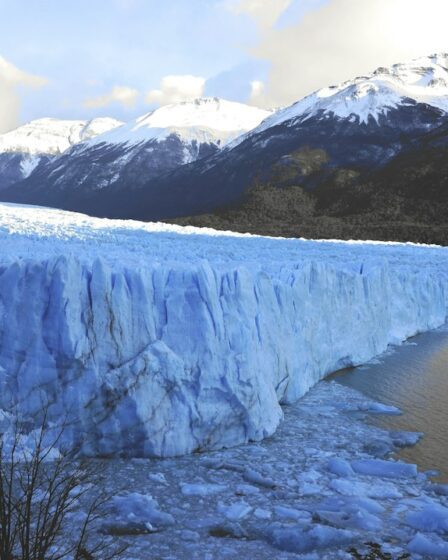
[{"x": 48, "y": 501}]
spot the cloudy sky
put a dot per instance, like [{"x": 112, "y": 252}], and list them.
[{"x": 122, "y": 58}]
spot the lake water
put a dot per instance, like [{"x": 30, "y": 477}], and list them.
[{"x": 413, "y": 377}]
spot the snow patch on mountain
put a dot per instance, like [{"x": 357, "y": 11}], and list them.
[
  {"x": 52, "y": 136},
  {"x": 205, "y": 120},
  {"x": 153, "y": 339},
  {"x": 29, "y": 164}
]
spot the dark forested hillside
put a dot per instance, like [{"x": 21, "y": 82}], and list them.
[{"x": 407, "y": 200}]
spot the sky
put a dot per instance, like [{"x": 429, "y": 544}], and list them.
[{"x": 122, "y": 58}]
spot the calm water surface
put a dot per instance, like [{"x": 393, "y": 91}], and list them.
[{"x": 413, "y": 377}]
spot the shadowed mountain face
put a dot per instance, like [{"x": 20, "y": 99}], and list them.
[
  {"x": 104, "y": 167},
  {"x": 404, "y": 200},
  {"x": 14, "y": 166}
]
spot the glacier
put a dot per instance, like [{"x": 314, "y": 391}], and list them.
[{"x": 158, "y": 340}]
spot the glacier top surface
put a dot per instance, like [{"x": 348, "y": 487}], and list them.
[
  {"x": 31, "y": 232},
  {"x": 53, "y": 136},
  {"x": 208, "y": 119},
  {"x": 423, "y": 80}
]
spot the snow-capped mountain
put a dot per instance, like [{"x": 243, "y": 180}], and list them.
[
  {"x": 145, "y": 148},
  {"x": 53, "y": 136},
  {"x": 22, "y": 149},
  {"x": 368, "y": 98},
  {"x": 336, "y": 134},
  {"x": 204, "y": 121}
]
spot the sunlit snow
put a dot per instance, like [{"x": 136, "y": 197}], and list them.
[
  {"x": 205, "y": 120},
  {"x": 53, "y": 136}
]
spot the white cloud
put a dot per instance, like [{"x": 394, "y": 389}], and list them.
[
  {"x": 256, "y": 92},
  {"x": 124, "y": 95},
  {"x": 265, "y": 12},
  {"x": 14, "y": 76},
  {"x": 174, "y": 89},
  {"x": 11, "y": 79},
  {"x": 343, "y": 39}
]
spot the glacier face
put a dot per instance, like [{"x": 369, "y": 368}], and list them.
[{"x": 158, "y": 340}]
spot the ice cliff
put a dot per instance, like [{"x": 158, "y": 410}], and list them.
[{"x": 152, "y": 339}]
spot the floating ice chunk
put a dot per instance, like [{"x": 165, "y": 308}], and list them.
[
  {"x": 380, "y": 409},
  {"x": 261, "y": 513},
  {"x": 431, "y": 473},
  {"x": 350, "y": 487},
  {"x": 250, "y": 475},
  {"x": 432, "y": 517},
  {"x": 246, "y": 489},
  {"x": 202, "y": 489},
  {"x": 405, "y": 439},
  {"x": 309, "y": 488},
  {"x": 365, "y": 521},
  {"x": 235, "y": 511},
  {"x": 232, "y": 466},
  {"x": 341, "y": 467},
  {"x": 350, "y": 504},
  {"x": 428, "y": 548},
  {"x": 190, "y": 536},
  {"x": 308, "y": 482},
  {"x": 230, "y": 529},
  {"x": 157, "y": 477},
  {"x": 378, "y": 447},
  {"x": 300, "y": 541},
  {"x": 214, "y": 463},
  {"x": 135, "y": 508},
  {"x": 204, "y": 521},
  {"x": 310, "y": 451},
  {"x": 387, "y": 469},
  {"x": 311, "y": 475},
  {"x": 359, "y": 519},
  {"x": 284, "y": 512}
]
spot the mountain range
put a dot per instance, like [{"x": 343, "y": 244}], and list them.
[{"x": 376, "y": 145}]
